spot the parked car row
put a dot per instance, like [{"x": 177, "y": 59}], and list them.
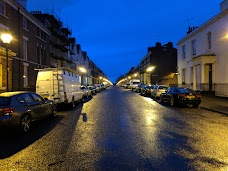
[
  {"x": 21, "y": 108},
  {"x": 175, "y": 96}
]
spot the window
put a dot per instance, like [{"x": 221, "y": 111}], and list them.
[
  {"x": 25, "y": 48},
  {"x": 44, "y": 57},
  {"x": 41, "y": 55},
  {"x": 183, "y": 52},
  {"x": 183, "y": 76},
  {"x": 38, "y": 54},
  {"x": 38, "y": 32},
  {"x": 0, "y": 75},
  {"x": 20, "y": 99},
  {"x": 27, "y": 97},
  {"x": 194, "y": 47},
  {"x": 25, "y": 23},
  {"x": 2, "y": 7},
  {"x": 37, "y": 97},
  {"x": 209, "y": 40},
  {"x": 25, "y": 76}
]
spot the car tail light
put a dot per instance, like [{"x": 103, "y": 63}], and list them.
[
  {"x": 181, "y": 95},
  {"x": 7, "y": 111},
  {"x": 198, "y": 95}
]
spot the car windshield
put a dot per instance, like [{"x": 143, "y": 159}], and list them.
[
  {"x": 135, "y": 82},
  {"x": 5, "y": 101}
]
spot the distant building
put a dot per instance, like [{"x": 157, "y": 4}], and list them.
[
  {"x": 203, "y": 55},
  {"x": 163, "y": 59}
]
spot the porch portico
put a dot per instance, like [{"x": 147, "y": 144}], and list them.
[{"x": 203, "y": 72}]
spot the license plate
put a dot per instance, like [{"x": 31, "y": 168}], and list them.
[{"x": 191, "y": 97}]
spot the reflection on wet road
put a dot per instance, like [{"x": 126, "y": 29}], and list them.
[{"x": 120, "y": 130}]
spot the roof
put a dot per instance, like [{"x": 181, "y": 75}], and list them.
[
  {"x": 208, "y": 22},
  {"x": 9, "y": 94}
]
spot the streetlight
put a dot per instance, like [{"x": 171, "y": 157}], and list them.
[
  {"x": 83, "y": 71},
  {"x": 6, "y": 38},
  {"x": 149, "y": 70}
]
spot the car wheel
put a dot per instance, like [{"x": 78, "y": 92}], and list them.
[
  {"x": 172, "y": 102},
  {"x": 25, "y": 123},
  {"x": 54, "y": 110}
]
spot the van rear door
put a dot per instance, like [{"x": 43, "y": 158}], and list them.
[{"x": 44, "y": 89}]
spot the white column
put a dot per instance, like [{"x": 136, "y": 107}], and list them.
[
  {"x": 202, "y": 73},
  {"x": 194, "y": 77}
]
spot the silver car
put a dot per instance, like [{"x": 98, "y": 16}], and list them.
[
  {"x": 21, "y": 108},
  {"x": 158, "y": 90}
]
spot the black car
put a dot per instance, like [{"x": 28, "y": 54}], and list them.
[
  {"x": 181, "y": 96},
  {"x": 21, "y": 108}
]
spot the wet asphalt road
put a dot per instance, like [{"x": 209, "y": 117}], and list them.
[{"x": 120, "y": 130}]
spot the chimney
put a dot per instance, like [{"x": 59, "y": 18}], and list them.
[
  {"x": 223, "y": 5},
  {"x": 23, "y": 3},
  {"x": 158, "y": 44}
]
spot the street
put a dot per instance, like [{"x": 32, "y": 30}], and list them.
[{"x": 118, "y": 129}]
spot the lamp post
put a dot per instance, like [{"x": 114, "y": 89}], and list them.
[{"x": 6, "y": 38}]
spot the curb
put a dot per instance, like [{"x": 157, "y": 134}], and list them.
[{"x": 213, "y": 110}]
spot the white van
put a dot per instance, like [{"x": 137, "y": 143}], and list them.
[
  {"x": 134, "y": 83},
  {"x": 60, "y": 85}
]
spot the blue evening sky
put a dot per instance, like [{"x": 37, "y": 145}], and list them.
[{"x": 116, "y": 33}]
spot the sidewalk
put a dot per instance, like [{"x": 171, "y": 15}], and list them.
[{"x": 213, "y": 103}]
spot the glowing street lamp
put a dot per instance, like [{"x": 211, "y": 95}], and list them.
[
  {"x": 6, "y": 38},
  {"x": 82, "y": 69},
  {"x": 135, "y": 75},
  {"x": 150, "y": 68}
]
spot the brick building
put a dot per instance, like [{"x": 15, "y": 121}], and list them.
[
  {"x": 163, "y": 59},
  {"x": 29, "y": 48}
]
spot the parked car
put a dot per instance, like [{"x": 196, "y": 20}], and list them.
[
  {"x": 158, "y": 90},
  {"x": 138, "y": 88},
  {"x": 178, "y": 95},
  {"x": 86, "y": 92},
  {"x": 134, "y": 83},
  {"x": 93, "y": 89},
  {"x": 21, "y": 108},
  {"x": 146, "y": 90},
  {"x": 127, "y": 86}
]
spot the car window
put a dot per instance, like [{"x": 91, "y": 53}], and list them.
[
  {"x": 20, "y": 99},
  {"x": 5, "y": 101},
  {"x": 162, "y": 87},
  {"x": 182, "y": 90},
  {"x": 37, "y": 97},
  {"x": 28, "y": 98}
]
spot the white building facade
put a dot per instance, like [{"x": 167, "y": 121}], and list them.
[{"x": 203, "y": 55}]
